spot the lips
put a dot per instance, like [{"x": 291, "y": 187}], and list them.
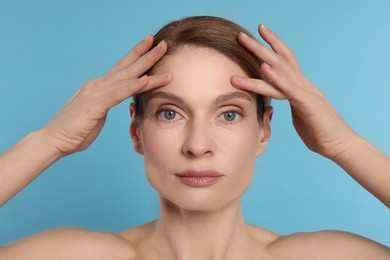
[{"x": 199, "y": 178}]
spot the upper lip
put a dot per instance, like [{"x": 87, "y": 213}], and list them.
[{"x": 195, "y": 173}]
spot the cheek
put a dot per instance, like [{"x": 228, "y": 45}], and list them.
[
  {"x": 161, "y": 149},
  {"x": 158, "y": 143},
  {"x": 240, "y": 155},
  {"x": 242, "y": 142}
]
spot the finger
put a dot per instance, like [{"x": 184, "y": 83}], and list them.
[
  {"x": 258, "y": 86},
  {"x": 288, "y": 85},
  {"x": 140, "y": 49},
  {"x": 278, "y": 45},
  {"x": 156, "y": 81},
  {"x": 131, "y": 87},
  {"x": 138, "y": 68},
  {"x": 121, "y": 92},
  {"x": 258, "y": 49},
  {"x": 148, "y": 60}
]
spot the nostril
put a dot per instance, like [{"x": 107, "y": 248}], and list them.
[
  {"x": 190, "y": 154},
  {"x": 198, "y": 151},
  {"x": 199, "y": 142}
]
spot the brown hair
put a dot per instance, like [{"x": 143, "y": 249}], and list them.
[{"x": 215, "y": 33}]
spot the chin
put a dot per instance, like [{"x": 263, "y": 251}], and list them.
[{"x": 198, "y": 201}]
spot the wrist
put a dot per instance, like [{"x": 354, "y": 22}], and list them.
[
  {"x": 46, "y": 146},
  {"x": 354, "y": 145}
]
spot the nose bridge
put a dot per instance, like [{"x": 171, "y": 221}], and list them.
[{"x": 199, "y": 141}]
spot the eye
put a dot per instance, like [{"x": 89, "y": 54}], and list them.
[
  {"x": 168, "y": 114},
  {"x": 230, "y": 116}
]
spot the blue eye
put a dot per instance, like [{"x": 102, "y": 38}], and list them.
[
  {"x": 167, "y": 114},
  {"x": 230, "y": 116}
]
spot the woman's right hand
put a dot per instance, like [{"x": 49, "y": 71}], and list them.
[{"x": 80, "y": 121}]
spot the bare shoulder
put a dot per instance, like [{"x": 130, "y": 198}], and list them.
[
  {"x": 136, "y": 235},
  {"x": 69, "y": 243},
  {"x": 328, "y": 245},
  {"x": 261, "y": 235}
]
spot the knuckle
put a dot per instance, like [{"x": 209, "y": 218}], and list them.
[
  {"x": 290, "y": 52},
  {"x": 278, "y": 62},
  {"x": 273, "y": 35},
  {"x": 136, "y": 51},
  {"x": 120, "y": 63},
  {"x": 130, "y": 71},
  {"x": 145, "y": 59}
]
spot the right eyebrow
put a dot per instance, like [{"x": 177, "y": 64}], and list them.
[{"x": 166, "y": 95}]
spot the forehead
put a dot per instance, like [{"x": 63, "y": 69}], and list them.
[{"x": 199, "y": 72}]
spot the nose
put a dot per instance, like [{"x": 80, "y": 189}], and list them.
[{"x": 199, "y": 142}]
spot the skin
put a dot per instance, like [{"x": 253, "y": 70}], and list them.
[
  {"x": 190, "y": 215},
  {"x": 79, "y": 122},
  {"x": 199, "y": 137},
  {"x": 316, "y": 121}
]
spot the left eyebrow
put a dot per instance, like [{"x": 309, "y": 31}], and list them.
[{"x": 232, "y": 95}]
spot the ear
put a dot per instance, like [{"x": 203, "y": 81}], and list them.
[
  {"x": 135, "y": 130},
  {"x": 265, "y": 133}
]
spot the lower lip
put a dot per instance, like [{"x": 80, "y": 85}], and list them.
[{"x": 200, "y": 181}]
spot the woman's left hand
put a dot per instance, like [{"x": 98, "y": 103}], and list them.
[{"x": 317, "y": 122}]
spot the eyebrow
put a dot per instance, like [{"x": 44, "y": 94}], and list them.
[
  {"x": 231, "y": 96},
  {"x": 220, "y": 99}
]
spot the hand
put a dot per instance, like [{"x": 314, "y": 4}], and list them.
[
  {"x": 80, "y": 121},
  {"x": 317, "y": 122}
]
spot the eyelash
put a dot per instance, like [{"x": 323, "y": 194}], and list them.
[
  {"x": 240, "y": 116},
  {"x": 159, "y": 115}
]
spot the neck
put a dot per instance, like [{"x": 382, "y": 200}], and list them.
[{"x": 186, "y": 234}]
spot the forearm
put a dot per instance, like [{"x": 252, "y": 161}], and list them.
[
  {"x": 22, "y": 163},
  {"x": 369, "y": 167}
]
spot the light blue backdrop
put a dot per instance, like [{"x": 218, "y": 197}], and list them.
[{"x": 48, "y": 49}]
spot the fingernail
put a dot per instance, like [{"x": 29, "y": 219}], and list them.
[
  {"x": 165, "y": 75},
  {"x": 266, "y": 66},
  {"x": 244, "y": 35},
  {"x": 238, "y": 79},
  {"x": 147, "y": 38},
  {"x": 160, "y": 44},
  {"x": 264, "y": 27}
]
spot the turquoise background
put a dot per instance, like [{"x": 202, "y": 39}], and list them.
[{"x": 48, "y": 49}]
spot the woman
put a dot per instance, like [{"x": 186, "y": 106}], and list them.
[{"x": 200, "y": 122}]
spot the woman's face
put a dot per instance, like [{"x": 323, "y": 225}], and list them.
[{"x": 197, "y": 124}]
